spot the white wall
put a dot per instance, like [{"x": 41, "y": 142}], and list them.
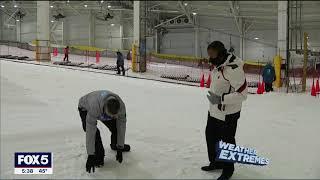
[
  {"x": 182, "y": 41},
  {"x": 178, "y": 41},
  {"x": 257, "y": 51},
  {"x": 29, "y": 28},
  {"x": 107, "y": 36},
  {"x": 57, "y": 32},
  {"x": 1, "y": 25},
  {"x": 8, "y": 32},
  {"x": 77, "y": 29},
  {"x": 127, "y": 34}
]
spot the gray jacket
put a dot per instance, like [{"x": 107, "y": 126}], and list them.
[{"x": 94, "y": 103}]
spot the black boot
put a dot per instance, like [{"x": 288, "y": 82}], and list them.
[
  {"x": 125, "y": 149},
  {"x": 226, "y": 175},
  {"x": 211, "y": 167},
  {"x": 99, "y": 160}
]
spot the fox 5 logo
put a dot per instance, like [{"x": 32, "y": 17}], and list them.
[{"x": 33, "y": 159}]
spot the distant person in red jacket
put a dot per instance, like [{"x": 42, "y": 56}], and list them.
[{"x": 66, "y": 53}]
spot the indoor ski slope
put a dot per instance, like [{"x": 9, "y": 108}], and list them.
[{"x": 166, "y": 124}]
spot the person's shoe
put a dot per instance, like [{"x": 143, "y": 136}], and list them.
[
  {"x": 99, "y": 161},
  {"x": 226, "y": 175},
  {"x": 211, "y": 167},
  {"x": 125, "y": 149}
]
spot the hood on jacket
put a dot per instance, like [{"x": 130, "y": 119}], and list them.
[{"x": 231, "y": 60}]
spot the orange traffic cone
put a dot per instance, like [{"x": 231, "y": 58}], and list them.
[
  {"x": 202, "y": 81},
  {"x": 259, "y": 88},
  {"x": 313, "y": 90},
  {"x": 209, "y": 81},
  {"x": 317, "y": 86}
]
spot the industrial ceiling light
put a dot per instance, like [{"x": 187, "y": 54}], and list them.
[
  {"x": 2, "y": 6},
  {"x": 112, "y": 24},
  {"x": 51, "y": 6},
  {"x": 256, "y": 38},
  {"x": 101, "y": 1},
  {"x": 17, "y": 20},
  {"x": 52, "y": 21},
  {"x": 186, "y": 4},
  {"x": 85, "y": 5},
  {"x": 109, "y": 6},
  {"x": 194, "y": 13},
  {"x": 15, "y": 6}
]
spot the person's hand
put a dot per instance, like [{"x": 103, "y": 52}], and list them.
[
  {"x": 213, "y": 98},
  {"x": 119, "y": 157},
  {"x": 90, "y": 163}
]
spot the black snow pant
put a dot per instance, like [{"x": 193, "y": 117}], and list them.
[
  {"x": 217, "y": 130},
  {"x": 268, "y": 87},
  {"x": 98, "y": 144},
  {"x": 66, "y": 56},
  {"x": 122, "y": 68}
]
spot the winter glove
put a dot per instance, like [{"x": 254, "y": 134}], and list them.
[
  {"x": 90, "y": 163},
  {"x": 119, "y": 156},
  {"x": 213, "y": 98}
]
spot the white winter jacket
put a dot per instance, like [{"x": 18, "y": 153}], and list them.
[{"x": 228, "y": 81}]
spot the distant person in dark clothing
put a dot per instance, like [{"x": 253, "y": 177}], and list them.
[
  {"x": 120, "y": 63},
  {"x": 66, "y": 54},
  {"x": 268, "y": 76}
]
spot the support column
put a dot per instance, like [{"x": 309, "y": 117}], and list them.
[
  {"x": 196, "y": 38},
  {"x": 242, "y": 39},
  {"x": 136, "y": 22},
  {"x": 121, "y": 36},
  {"x": 43, "y": 32},
  {"x": 139, "y": 33},
  {"x": 62, "y": 33},
  {"x": 157, "y": 41},
  {"x": 1, "y": 25},
  {"x": 18, "y": 31},
  {"x": 92, "y": 23},
  {"x": 305, "y": 61},
  {"x": 121, "y": 33},
  {"x": 282, "y": 29},
  {"x": 65, "y": 29}
]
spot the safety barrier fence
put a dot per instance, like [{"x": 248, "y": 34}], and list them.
[{"x": 172, "y": 67}]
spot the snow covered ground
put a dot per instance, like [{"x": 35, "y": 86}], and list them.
[{"x": 166, "y": 124}]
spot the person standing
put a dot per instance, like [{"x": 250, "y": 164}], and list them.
[
  {"x": 227, "y": 92},
  {"x": 268, "y": 75},
  {"x": 107, "y": 107},
  {"x": 120, "y": 63},
  {"x": 66, "y": 54}
]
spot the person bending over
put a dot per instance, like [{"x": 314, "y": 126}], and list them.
[{"x": 107, "y": 107}]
